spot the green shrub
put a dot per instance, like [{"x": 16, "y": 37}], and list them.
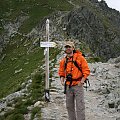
[
  {"x": 34, "y": 111},
  {"x": 15, "y": 117},
  {"x": 94, "y": 59}
]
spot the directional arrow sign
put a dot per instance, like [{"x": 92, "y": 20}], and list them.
[{"x": 47, "y": 44}]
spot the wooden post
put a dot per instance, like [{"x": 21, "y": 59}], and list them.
[
  {"x": 47, "y": 95},
  {"x": 46, "y": 45}
]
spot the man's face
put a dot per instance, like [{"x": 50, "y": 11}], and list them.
[{"x": 68, "y": 49}]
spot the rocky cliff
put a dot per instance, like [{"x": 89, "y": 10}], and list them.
[
  {"x": 96, "y": 24},
  {"x": 88, "y": 21}
]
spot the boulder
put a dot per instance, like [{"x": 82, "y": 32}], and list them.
[{"x": 111, "y": 104}]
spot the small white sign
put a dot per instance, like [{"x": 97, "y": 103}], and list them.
[{"x": 47, "y": 44}]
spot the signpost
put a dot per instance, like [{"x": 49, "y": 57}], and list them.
[{"x": 47, "y": 44}]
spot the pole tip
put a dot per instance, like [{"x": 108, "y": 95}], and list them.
[{"x": 47, "y": 21}]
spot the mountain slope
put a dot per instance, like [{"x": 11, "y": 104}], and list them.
[
  {"x": 97, "y": 25},
  {"x": 22, "y": 22},
  {"x": 93, "y": 25},
  {"x": 20, "y": 52}
]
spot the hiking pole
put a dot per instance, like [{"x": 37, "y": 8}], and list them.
[{"x": 88, "y": 82}]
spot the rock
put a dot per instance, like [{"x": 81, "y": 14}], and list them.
[
  {"x": 5, "y": 102},
  {"x": 118, "y": 118},
  {"x": 114, "y": 60},
  {"x": 27, "y": 116},
  {"x": 110, "y": 96},
  {"x": 30, "y": 107},
  {"x": 118, "y": 102},
  {"x": 105, "y": 90},
  {"x": 76, "y": 27},
  {"x": 109, "y": 75},
  {"x": 26, "y": 63},
  {"x": 30, "y": 81},
  {"x": 39, "y": 104},
  {"x": 9, "y": 108},
  {"x": 2, "y": 113},
  {"x": 53, "y": 90},
  {"x": 117, "y": 65},
  {"x": 18, "y": 71},
  {"x": 118, "y": 109},
  {"x": 111, "y": 104}
]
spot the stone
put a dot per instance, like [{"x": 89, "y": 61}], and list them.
[
  {"x": 53, "y": 90},
  {"x": 117, "y": 65},
  {"x": 118, "y": 101},
  {"x": 114, "y": 60},
  {"x": 18, "y": 71},
  {"x": 118, "y": 109},
  {"x": 118, "y": 118},
  {"x": 30, "y": 107},
  {"x": 27, "y": 116},
  {"x": 111, "y": 104},
  {"x": 37, "y": 104}
]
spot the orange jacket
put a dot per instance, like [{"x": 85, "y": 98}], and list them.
[{"x": 71, "y": 68}]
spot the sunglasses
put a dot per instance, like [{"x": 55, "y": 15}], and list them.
[{"x": 67, "y": 46}]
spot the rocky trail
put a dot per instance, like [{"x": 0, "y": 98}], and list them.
[{"x": 102, "y": 98}]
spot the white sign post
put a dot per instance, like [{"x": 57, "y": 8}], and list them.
[
  {"x": 47, "y": 95},
  {"x": 46, "y": 53},
  {"x": 47, "y": 44}
]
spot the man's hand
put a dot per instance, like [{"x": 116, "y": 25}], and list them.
[
  {"x": 62, "y": 80},
  {"x": 81, "y": 83}
]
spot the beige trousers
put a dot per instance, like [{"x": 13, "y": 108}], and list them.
[{"x": 75, "y": 103}]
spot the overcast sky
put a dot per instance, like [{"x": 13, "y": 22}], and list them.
[{"x": 113, "y": 4}]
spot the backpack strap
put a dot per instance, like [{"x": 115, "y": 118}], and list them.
[
  {"x": 76, "y": 64},
  {"x": 86, "y": 80},
  {"x": 65, "y": 63}
]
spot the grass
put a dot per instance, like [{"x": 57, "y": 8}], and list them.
[
  {"x": 16, "y": 53},
  {"x": 35, "y": 111},
  {"x": 94, "y": 59},
  {"x": 16, "y": 59},
  {"x": 36, "y": 10},
  {"x": 36, "y": 89},
  {"x": 39, "y": 11},
  {"x": 15, "y": 117},
  {"x": 37, "y": 86}
]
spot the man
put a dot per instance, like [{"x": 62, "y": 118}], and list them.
[{"x": 74, "y": 79}]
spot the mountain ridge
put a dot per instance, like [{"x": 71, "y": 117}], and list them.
[{"x": 91, "y": 24}]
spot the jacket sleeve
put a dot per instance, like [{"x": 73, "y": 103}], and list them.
[
  {"x": 84, "y": 67},
  {"x": 61, "y": 70}
]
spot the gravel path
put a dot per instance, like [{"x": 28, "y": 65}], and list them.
[{"x": 96, "y": 108}]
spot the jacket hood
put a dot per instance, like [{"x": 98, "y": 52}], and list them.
[{"x": 77, "y": 52}]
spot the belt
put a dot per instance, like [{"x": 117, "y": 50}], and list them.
[{"x": 78, "y": 79}]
